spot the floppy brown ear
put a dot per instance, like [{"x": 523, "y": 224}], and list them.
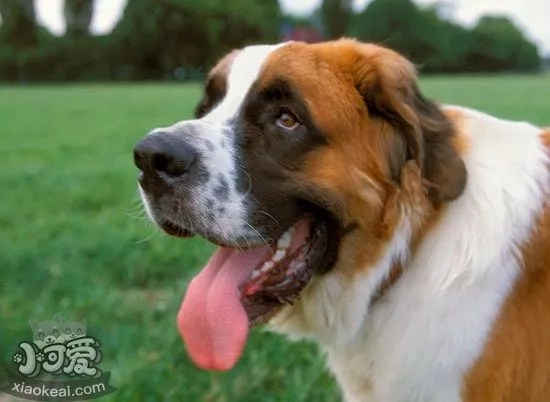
[{"x": 387, "y": 82}]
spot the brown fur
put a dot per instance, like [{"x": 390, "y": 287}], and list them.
[
  {"x": 391, "y": 150},
  {"x": 461, "y": 145},
  {"x": 546, "y": 137},
  {"x": 460, "y": 141},
  {"x": 515, "y": 363}
]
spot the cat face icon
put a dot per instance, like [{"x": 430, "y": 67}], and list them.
[
  {"x": 47, "y": 332},
  {"x": 74, "y": 329}
]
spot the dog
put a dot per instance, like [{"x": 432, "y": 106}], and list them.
[{"x": 410, "y": 240}]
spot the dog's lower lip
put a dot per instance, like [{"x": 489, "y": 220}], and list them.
[{"x": 175, "y": 230}]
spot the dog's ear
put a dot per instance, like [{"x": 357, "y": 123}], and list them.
[{"x": 388, "y": 85}]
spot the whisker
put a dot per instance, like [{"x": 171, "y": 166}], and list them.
[
  {"x": 147, "y": 238},
  {"x": 245, "y": 239},
  {"x": 138, "y": 216},
  {"x": 258, "y": 233},
  {"x": 249, "y": 182},
  {"x": 269, "y": 215},
  {"x": 235, "y": 243},
  {"x": 137, "y": 210}
]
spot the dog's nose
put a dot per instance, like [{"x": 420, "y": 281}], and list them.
[{"x": 165, "y": 153}]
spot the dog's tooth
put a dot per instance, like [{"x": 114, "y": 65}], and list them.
[
  {"x": 279, "y": 255},
  {"x": 267, "y": 266},
  {"x": 286, "y": 239},
  {"x": 255, "y": 274}
]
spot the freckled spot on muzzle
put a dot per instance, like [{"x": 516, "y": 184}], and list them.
[{"x": 222, "y": 189}]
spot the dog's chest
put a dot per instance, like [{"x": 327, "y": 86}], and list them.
[
  {"x": 369, "y": 375},
  {"x": 417, "y": 342}
]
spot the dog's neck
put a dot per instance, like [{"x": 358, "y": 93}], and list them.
[
  {"x": 395, "y": 273},
  {"x": 333, "y": 308}
]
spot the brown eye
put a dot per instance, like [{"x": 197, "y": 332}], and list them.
[{"x": 287, "y": 121}]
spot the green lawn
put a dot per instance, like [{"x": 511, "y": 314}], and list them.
[{"x": 74, "y": 238}]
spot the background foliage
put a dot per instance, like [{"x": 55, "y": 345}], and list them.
[{"x": 181, "y": 39}]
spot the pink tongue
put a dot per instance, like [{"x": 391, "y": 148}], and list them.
[{"x": 211, "y": 319}]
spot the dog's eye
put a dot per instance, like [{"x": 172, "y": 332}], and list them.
[{"x": 287, "y": 121}]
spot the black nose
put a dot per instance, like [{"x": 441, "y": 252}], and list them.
[{"x": 165, "y": 153}]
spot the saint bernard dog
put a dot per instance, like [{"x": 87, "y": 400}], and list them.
[{"x": 410, "y": 240}]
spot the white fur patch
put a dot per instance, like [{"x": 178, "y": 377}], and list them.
[
  {"x": 213, "y": 137},
  {"x": 243, "y": 72},
  {"x": 429, "y": 328}
]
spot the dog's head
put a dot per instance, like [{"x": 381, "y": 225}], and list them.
[{"x": 301, "y": 162}]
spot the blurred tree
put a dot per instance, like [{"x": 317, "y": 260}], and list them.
[
  {"x": 401, "y": 25},
  {"x": 18, "y": 26},
  {"x": 78, "y": 16},
  {"x": 499, "y": 45},
  {"x": 447, "y": 44},
  {"x": 156, "y": 38},
  {"x": 302, "y": 28},
  {"x": 181, "y": 39},
  {"x": 336, "y": 15},
  {"x": 436, "y": 44}
]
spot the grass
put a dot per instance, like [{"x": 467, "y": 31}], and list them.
[{"x": 74, "y": 238}]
